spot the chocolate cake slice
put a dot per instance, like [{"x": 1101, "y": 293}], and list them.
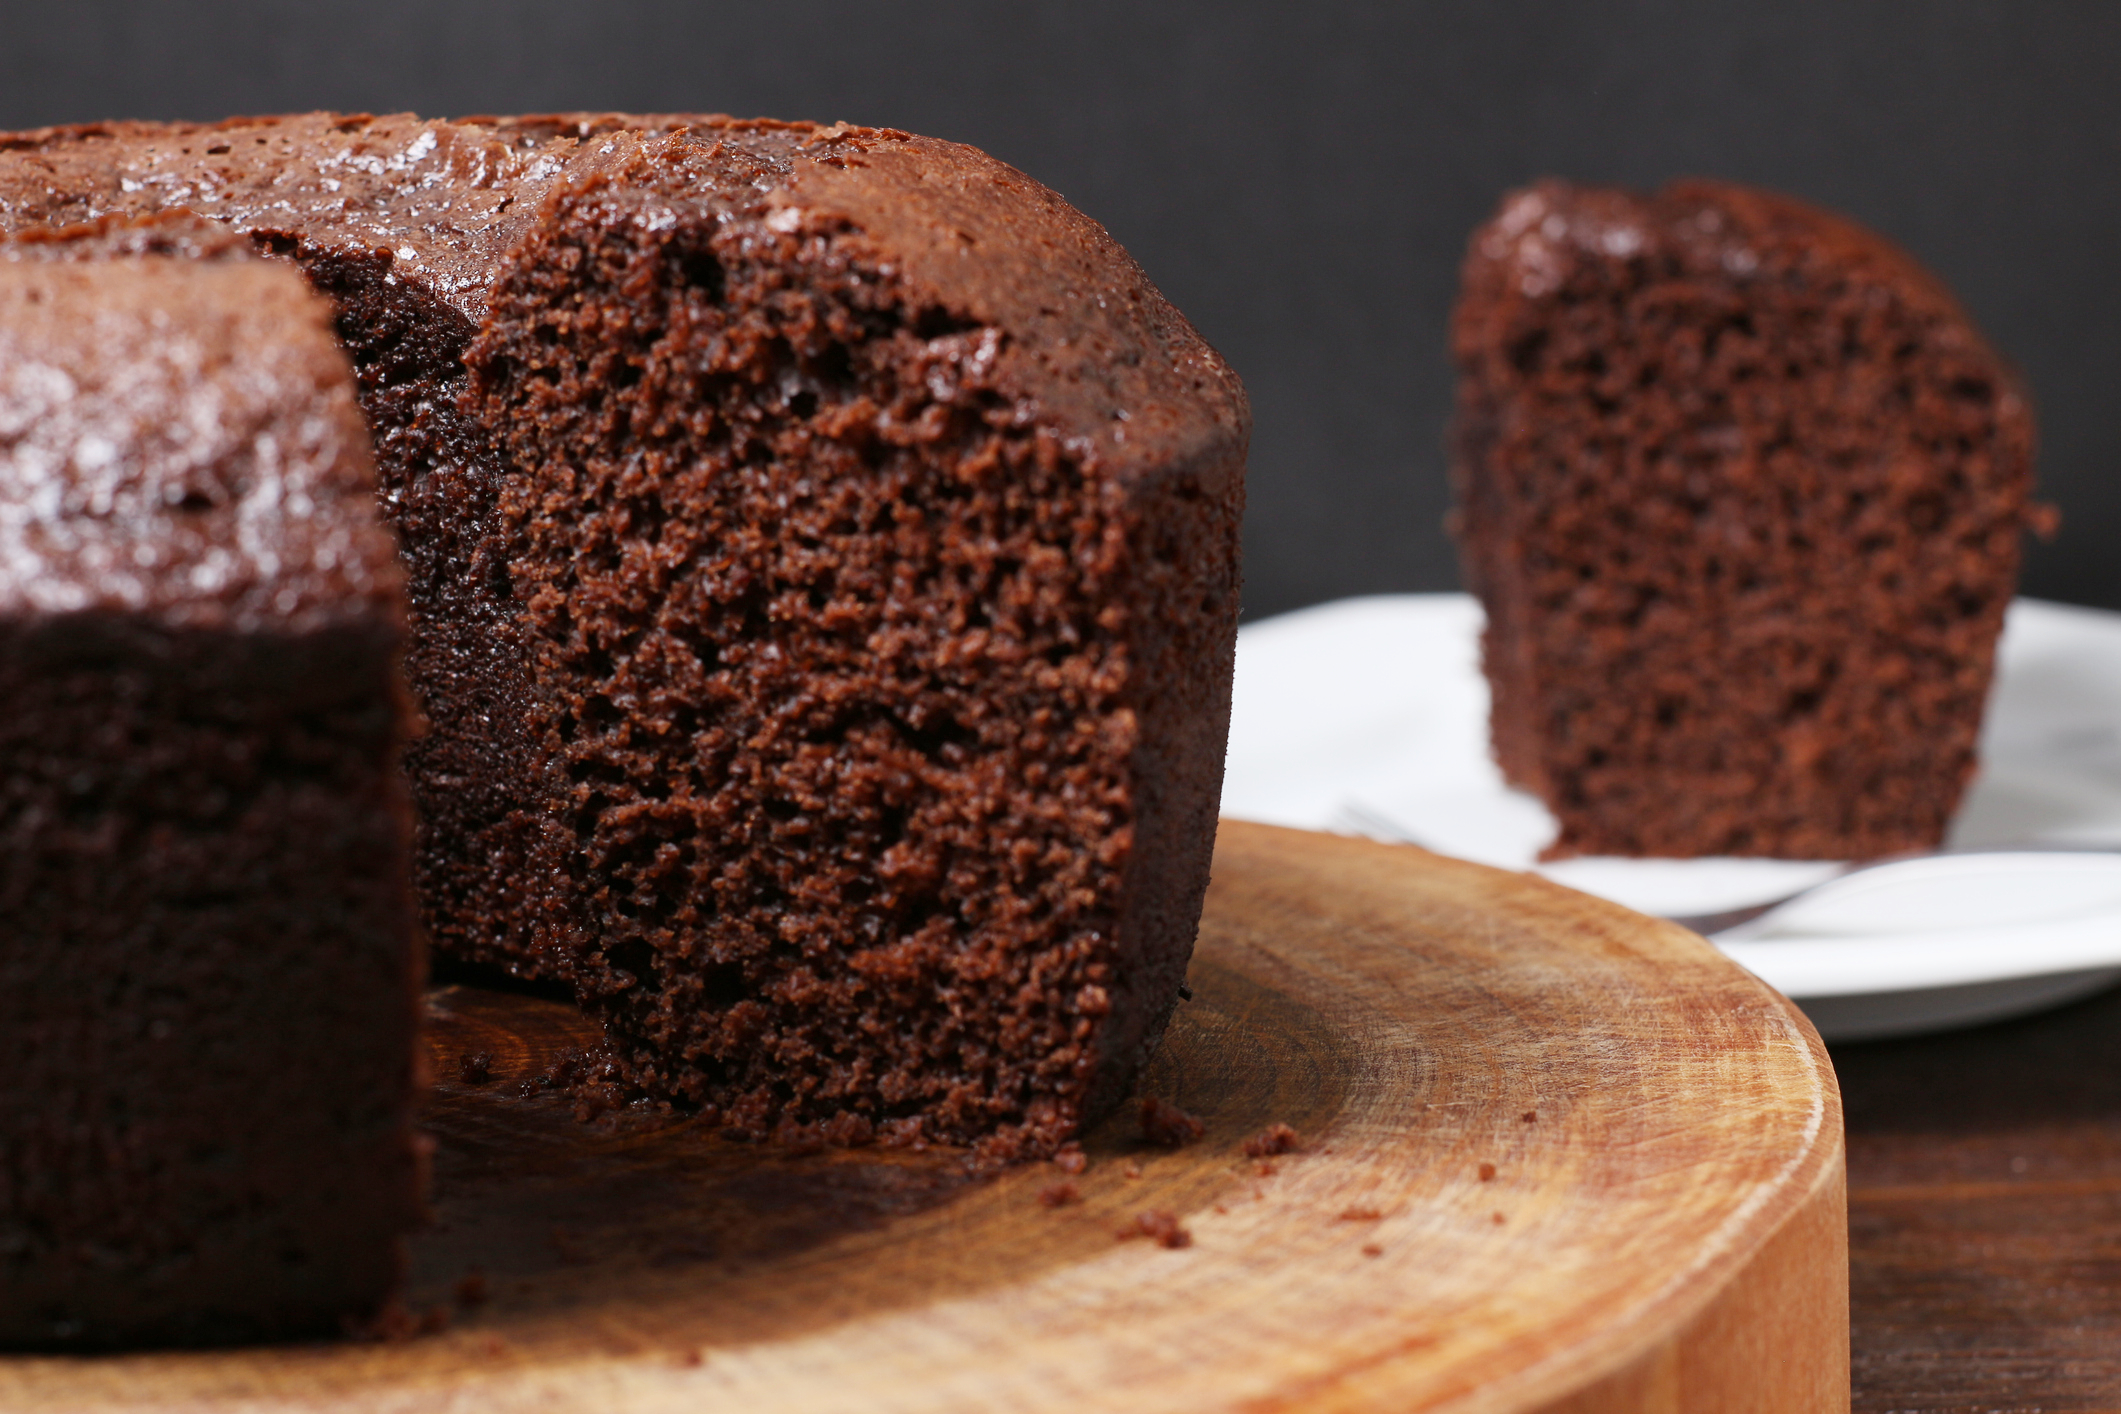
[
  {"x": 1742, "y": 492},
  {"x": 209, "y": 982},
  {"x": 822, "y": 557}
]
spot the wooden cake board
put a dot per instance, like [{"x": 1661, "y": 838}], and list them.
[{"x": 1555, "y": 1157}]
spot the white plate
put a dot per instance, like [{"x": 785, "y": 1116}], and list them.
[{"x": 1370, "y": 716}]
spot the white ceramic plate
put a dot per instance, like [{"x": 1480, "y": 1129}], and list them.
[{"x": 1369, "y": 716}]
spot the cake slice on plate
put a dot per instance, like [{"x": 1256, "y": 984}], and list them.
[{"x": 1742, "y": 492}]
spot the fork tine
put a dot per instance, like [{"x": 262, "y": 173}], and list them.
[{"x": 1351, "y": 817}]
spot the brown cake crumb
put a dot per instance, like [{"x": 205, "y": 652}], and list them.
[
  {"x": 395, "y": 1323},
  {"x": 1274, "y": 1139},
  {"x": 1500, "y": 1219},
  {"x": 1361, "y": 1215},
  {"x": 1487, "y": 1173},
  {"x": 1130, "y": 1169},
  {"x": 1160, "y": 1224},
  {"x": 1071, "y": 1159},
  {"x": 1529, "y": 1116},
  {"x": 1371, "y": 1249},
  {"x": 475, "y": 1067},
  {"x": 1059, "y": 1195},
  {"x": 1166, "y": 1125}
]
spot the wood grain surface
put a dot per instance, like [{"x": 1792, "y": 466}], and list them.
[
  {"x": 1985, "y": 1216},
  {"x": 1555, "y": 1157}
]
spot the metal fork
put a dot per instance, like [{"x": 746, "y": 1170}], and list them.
[{"x": 1352, "y": 818}]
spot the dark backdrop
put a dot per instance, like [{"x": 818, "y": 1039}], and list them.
[{"x": 1300, "y": 177}]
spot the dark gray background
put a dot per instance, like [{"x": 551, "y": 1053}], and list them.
[{"x": 1300, "y": 178}]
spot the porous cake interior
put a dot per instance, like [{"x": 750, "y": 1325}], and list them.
[
  {"x": 1743, "y": 496},
  {"x": 473, "y": 765},
  {"x": 824, "y": 642}
]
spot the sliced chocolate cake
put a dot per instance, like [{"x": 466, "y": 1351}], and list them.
[
  {"x": 1742, "y": 492},
  {"x": 822, "y": 555},
  {"x": 209, "y": 983}
]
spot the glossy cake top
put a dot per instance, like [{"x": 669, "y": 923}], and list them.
[
  {"x": 180, "y": 439},
  {"x": 1090, "y": 348},
  {"x": 1553, "y": 234}
]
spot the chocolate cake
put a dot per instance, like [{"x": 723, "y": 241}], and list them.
[
  {"x": 1742, "y": 491},
  {"x": 209, "y": 985},
  {"x": 822, "y": 560}
]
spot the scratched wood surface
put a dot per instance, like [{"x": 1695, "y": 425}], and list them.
[
  {"x": 1985, "y": 1216},
  {"x": 1555, "y": 1157}
]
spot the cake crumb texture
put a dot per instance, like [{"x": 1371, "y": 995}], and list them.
[
  {"x": 1275, "y": 1139},
  {"x": 1166, "y": 1125},
  {"x": 1742, "y": 492}
]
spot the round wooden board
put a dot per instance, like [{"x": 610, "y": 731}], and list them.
[{"x": 1662, "y": 1228}]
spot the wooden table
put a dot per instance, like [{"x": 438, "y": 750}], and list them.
[{"x": 1985, "y": 1215}]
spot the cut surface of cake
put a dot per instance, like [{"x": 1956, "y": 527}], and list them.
[
  {"x": 209, "y": 986},
  {"x": 1742, "y": 493},
  {"x": 822, "y": 558}
]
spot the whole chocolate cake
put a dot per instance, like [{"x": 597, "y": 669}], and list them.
[
  {"x": 1742, "y": 492},
  {"x": 822, "y": 558},
  {"x": 209, "y": 984}
]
